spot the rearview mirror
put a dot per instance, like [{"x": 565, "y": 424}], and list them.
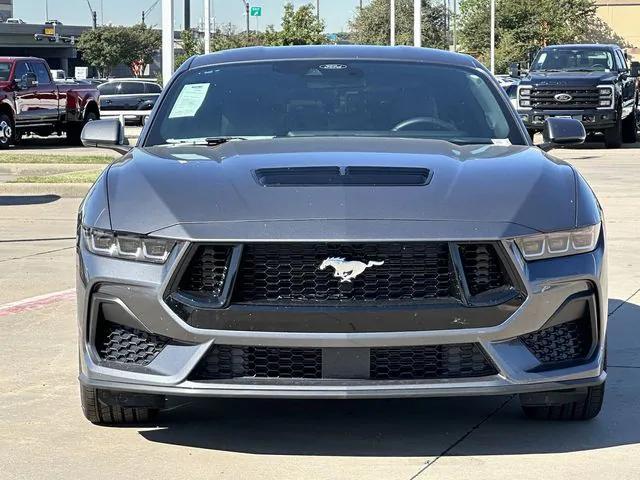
[
  {"x": 635, "y": 69},
  {"x": 107, "y": 133},
  {"x": 28, "y": 80},
  {"x": 562, "y": 132},
  {"x": 514, "y": 70}
]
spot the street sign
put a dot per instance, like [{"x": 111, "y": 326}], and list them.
[
  {"x": 256, "y": 11},
  {"x": 81, "y": 73}
]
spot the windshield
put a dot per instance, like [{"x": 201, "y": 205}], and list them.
[
  {"x": 5, "y": 68},
  {"x": 335, "y": 98},
  {"x": 583, "y": 59}
]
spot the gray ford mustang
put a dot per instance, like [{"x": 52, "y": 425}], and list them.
[{"x": 339, "y": 222}]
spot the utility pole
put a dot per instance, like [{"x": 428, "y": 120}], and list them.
[
  {"x": 455, "y": 25},
  {"x": 392, "y": 22},
  {"x": 46, "y": 10},
  {"x": 493, "y": 36},
  {"x": 417, "y": 23},
  {"x": 187, "y": 14},
  {"x": 101, "y": 12},
  {"x": 207, "y": 26},
  {"x": 318, "y": 9},
  {"x": 246, "y": 11}
]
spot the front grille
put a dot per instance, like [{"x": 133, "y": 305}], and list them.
[
  {"x": 482, "y": 267},
  {"x": 432, "y": 361},
  {"x": 206, "y": 271},
  {"x": 289, "y": 273},
  {"x": 581, "y": 98},
  {"x": 397, "y": 363},
  {"x": 227, "y": 361},
  {"x": 117, "y": 343},
  {"x": 564, "y": 342}
]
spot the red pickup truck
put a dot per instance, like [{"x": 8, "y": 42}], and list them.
[{"x": 31, "y": 102}]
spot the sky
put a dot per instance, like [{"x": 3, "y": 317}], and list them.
[{"x": 335, "y": 13}]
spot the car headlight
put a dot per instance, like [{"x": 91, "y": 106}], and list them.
[
  {"x": 559, "y": 244},
  {"x": 127, "y": 246}
]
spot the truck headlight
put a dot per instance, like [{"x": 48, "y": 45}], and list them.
[
  {"x": 559, "y": 244},
  {"x": 127, "y": 246}
]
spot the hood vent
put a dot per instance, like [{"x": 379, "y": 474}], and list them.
[{"x": 349, "y": 176}]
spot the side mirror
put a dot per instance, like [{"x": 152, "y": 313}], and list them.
[
  {"x": 514, "y": 70},
  {"x": 635, "y": 69},
  {"x": 561, "y": 132},
  {"x": 28, "y": 80},
  {"x": 107, "y": 133}
]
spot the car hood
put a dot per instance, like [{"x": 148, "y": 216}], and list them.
[
  {"x": 569, "y": 79},
  {"x": 155, "y": 189}
]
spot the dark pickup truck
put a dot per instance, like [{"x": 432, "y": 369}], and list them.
[
  {"x": 591, "y": 83},
  {"x": 31, "y": 102}
]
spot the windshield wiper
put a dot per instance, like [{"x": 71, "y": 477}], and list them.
[{"x": 213, "y": 141}]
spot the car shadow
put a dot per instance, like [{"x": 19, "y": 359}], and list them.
[
  {"x": 13, "y": 200},
  {"x": 407, "y": 428}
]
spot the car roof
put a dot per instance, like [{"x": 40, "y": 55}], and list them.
[
  {"x": 582, "y": 45},
  {"x": 335, "y": 52}
]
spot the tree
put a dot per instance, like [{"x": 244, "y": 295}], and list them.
[
  {"x": 299, "y": 27},
  {"x": 191, "y": 45},
  {"x": 371, "y": 24},
  {"x": 106, "y": 47},
  {"x": 523, "y": 26}
]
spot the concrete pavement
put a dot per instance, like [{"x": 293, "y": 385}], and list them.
[{"x": 43, "y": 433}]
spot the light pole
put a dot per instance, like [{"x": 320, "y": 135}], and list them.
[
  {"x": 392, "y": 22},
  {"x": 207, "y": 26},
  {"x": 167, "y": 40},
  {"x": 493, "y": 36},
  {"x": 417, "y": 27},
  {"x": 246, "y": 11}
]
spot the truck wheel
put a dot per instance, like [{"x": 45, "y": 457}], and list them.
[
  {"x": 613, "y": 135},
  {"x": 630, "y": 128},
  {"x": 582, "y": 410},
  {"x": 74, "y": 129},
  {"x": 7, "y": 133},
  {"x": 102, "y": 414}
]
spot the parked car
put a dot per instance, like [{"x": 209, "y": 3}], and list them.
[
  {"x": 295, "y": 222},
  {"x": 32, "y": 102},
  {"x": 591, "y": 83},
  {"x": 129, "y": 94},
  {"x": 15, "y": 21}
]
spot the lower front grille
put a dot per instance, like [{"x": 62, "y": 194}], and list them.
[
  {"x": 432, "y": 361},
  {"x": 227, "y": 361},
  {"x": 396, "y": 363},
  {"x": 564, "y": 342},
  {"x": 117, "y": 343}
]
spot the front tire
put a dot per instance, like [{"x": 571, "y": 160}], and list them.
[
  {"x": 630, "y": 128},
  {"x": 101, "y": 413},
  {"x": 585, "y": 409},
  {"x": 613, "y": 135},
  {"x": 7, "y": 131}
]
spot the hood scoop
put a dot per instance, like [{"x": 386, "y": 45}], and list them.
[{"x": 343, "y": 176}]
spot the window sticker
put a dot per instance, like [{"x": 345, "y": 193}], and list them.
[{"x": 190, "y": 100}]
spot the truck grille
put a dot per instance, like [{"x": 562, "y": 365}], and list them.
[
  {"x": 398, "y": 363},
  {"x": 544, "y": 98}
]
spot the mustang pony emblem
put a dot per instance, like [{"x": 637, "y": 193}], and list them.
[{"x": 347, "y": 270}]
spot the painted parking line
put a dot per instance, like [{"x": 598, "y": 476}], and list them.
[{"x": 37, "y": 302}]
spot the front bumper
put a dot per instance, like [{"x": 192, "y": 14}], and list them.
[
  {"x": 138, "y": 289},
  {"x": 592, "y": 119}
]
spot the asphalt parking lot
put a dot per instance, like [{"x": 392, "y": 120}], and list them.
[{"x": 44, "y": 435}]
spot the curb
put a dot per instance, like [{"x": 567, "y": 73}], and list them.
[
  {"x": 64, "y": 190},
  {"x": 18, "y": 169}
]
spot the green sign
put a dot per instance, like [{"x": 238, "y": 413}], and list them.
[{"x": 256, "y": 11}]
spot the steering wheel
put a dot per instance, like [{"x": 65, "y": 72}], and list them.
[{"x": 428, "y": 120}]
